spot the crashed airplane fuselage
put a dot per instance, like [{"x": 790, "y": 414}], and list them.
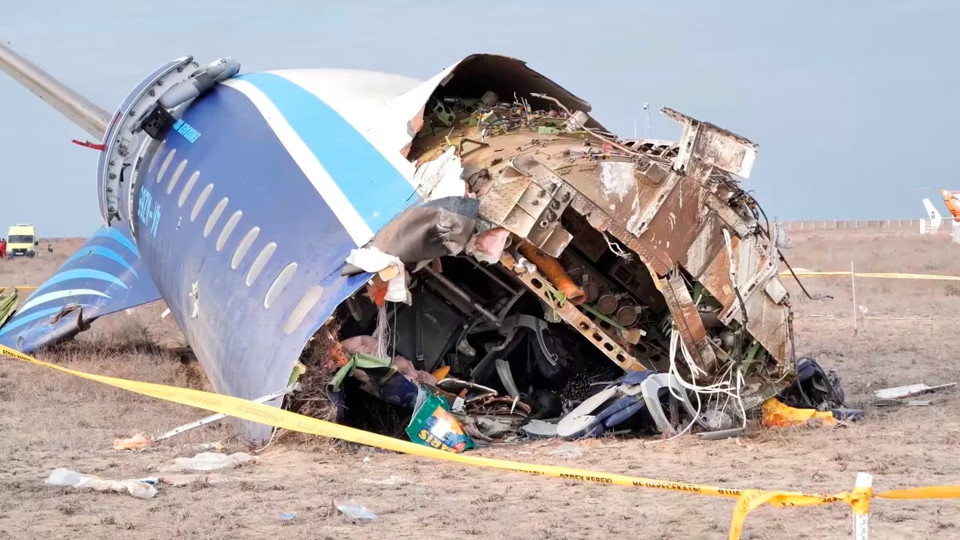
[{"x": 498, "y": 237}]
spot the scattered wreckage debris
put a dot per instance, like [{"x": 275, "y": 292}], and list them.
[
  {"x": 560, "y": 281},
  {"x": 355, "y": 511},
  {"x": 777, "y": 414},
  {"x": 145, "y": 488},
  {"x": 209, "y": 461},
  {"x": 141, "y": 489},
  {"x": 815, "y": 395},
  {"x": 8, "y": 304},
  {"x": 139, "y": 441},
  {"x": 897, "y": 395}
]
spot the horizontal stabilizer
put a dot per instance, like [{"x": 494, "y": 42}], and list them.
[
  {"x": 71, "y": 104},
  {"x": 104, "y": 276}
]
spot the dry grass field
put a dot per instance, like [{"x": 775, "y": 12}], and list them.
[{"x": 50, "y": 420}]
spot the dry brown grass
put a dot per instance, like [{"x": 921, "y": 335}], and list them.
[{"x": 49, "y": 420}]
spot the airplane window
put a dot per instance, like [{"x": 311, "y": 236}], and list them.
[
  {"x": 283, "y": 279},
  {"x": 244, "y": 247},
  {"x": 165, "y": 165},
  {"x": 187, "y": 188},
  {"x": 260, "y": 262},
  {"x": 215, "y": 216},
  {"x": 303, "y": 307},
  {"x": 228, "y": 229},
  {"x": 176, "y": 176},
  {"x": 200, "y": 200}
]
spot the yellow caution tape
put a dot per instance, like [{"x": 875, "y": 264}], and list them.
[
  {"x": 880, "y": 275},
  {"x": 747, "y": 499},
  {"x": 927, "y": 492}
]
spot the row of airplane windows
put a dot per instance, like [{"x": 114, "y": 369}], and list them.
[{"x": 310, "y": 297}]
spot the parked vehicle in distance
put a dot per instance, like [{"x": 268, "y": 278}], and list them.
[{"x": 22, "y": 240}]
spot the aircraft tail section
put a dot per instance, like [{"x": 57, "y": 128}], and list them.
[
  {"x": 83, "y": 112},
  {"x": 932, "y": 224},
  {"x": 104, "y": 276}
]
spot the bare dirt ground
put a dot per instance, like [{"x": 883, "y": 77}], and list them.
[{"x": 50, "y": 420}]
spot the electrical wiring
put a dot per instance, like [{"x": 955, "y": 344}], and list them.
[{"x": 724, "y": 387}]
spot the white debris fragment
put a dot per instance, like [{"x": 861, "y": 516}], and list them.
[
  {"x": 568, "y": 451},
  {"x": 907, "y": 391},
  {"x": 371, "y": 259},
  {"x": 355, "y": 510},
  {"x": 195, "y": 296},
  {"x": 65, "y": 477},
  {"x": 390, "y": 481},
  {"x": 441, "y": 177},
  {"x": 617, "y": 177},
  {"x": 209, "y": 461}
]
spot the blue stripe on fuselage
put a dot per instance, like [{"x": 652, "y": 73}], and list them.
[
  {"x": 375, "y": 188},
  {"x": 240, "y": 343}
]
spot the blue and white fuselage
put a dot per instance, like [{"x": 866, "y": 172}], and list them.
[{"x": 241, "y": 216}]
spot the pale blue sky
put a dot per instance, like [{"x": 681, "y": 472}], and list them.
[{"x": 852, "y": 103}]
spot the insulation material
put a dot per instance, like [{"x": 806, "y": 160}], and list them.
[
  {"x": 441, "y": 177},
  {"x": 487, "y": 247},
  {"x": 389, "y": 268}
]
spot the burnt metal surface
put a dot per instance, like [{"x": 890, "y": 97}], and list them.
[
  {"x": 667, "y": 203},
  {"x": 687, "y": 321}
]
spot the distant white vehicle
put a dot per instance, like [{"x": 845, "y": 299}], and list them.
[{"x": 22, "y": 240}]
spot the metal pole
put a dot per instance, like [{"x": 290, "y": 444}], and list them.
[
  {"x": 460, "y": 293},
  {"x": 853, "y": 288},
  {"x": 491, "y": 275},
  {"x": 861, "y": 509},
  {"x": 214, "y": 417},
  {"x": 646, "y": 121}
]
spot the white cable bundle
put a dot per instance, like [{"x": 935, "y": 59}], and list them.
[
  {"x": 382, "y": 333},
  {"x": 729, "y": 387}
]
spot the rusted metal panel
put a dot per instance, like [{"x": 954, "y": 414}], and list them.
[
  {"x": 736, "y": 222},
  {"x": 768, "y": 324},
  {"x": 706, "y": 245},
  {"x": 716, "y": 146},
  {"x": 674, "y": 228},
  {"x": 657, "y": 262},
  {"x": 670, "y": 211},
  {"x": 687, "y": 321},
  {"x": 716, "y": 279}
]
